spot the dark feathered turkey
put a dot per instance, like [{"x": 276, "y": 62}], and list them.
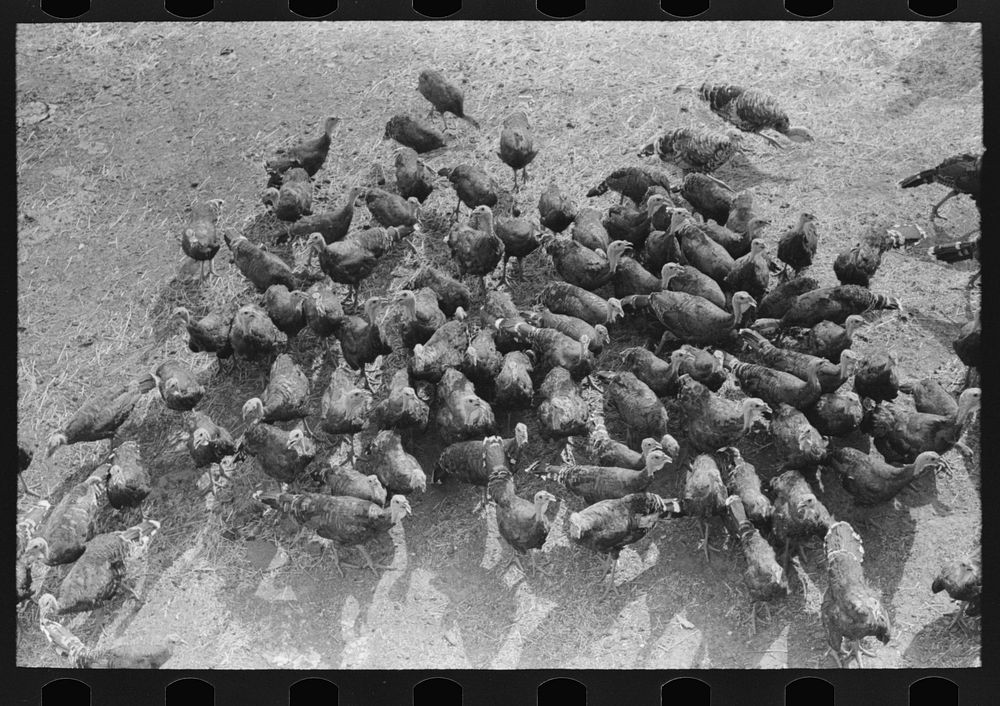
[
  {"x": 208, "y": 442},
  {"x": 100, "y": 416},
  {"x": 259, "y": 266},
  {"x": 444, "y": 95},
  {"x": 414, "y": 133},
  {"x": 631, "y": 182},
  {"x": 414, "y": 179},
  {"x": 209, "y": 334},
  {"x": 960, "y": 173},
  {"x": 199, "y": 239},
  {"x": 308, "y": 155},
  {"x": 517, "y": 145},
  {"x": 252, "y": 334}
]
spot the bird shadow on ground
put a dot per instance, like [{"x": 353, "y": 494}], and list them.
[
  {"x": 934, "y": 638},
  {"x": 929, "y": 72},
  {"x": 944, "y": 330}
]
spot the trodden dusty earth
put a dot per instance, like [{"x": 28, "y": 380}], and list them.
[{"x": 144, "y": 119}]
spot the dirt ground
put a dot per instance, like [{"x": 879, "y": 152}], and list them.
[{"x": 144, "y": 119}]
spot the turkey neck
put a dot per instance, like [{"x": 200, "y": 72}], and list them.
[
  {"x": 541, "y": 507},
  {"x": 747, "y": 419}
]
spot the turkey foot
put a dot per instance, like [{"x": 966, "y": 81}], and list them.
[
  {"x": 704, "y": 545},
  {"x": 24, "y": 486},
  {"x": 773, "y": 142},
  {"x": 959, "y": 620},
  {"x": 939, "y": 204},
  {"x": 480, "y": 507},
  {"x": 836, "y": 654}
]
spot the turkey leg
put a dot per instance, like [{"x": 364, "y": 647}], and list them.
[{"x": 939, "y": 204}]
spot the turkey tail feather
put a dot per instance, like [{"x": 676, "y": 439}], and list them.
[{"x": 881, "y": 301}]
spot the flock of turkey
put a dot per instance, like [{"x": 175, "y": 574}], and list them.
[{"x": 682, "y": 263}]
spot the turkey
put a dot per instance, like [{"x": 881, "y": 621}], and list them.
[
  {"x": 513, "y": 387},
  {"x": 704, "y": 495},
  {"x": 344, "y": 407},
  {"x": 419, "y": 316},
  {"x": 95, "y": 577},
  {"x": 517, "y": 145},
  {"x": 691, "y": 319},
  {"x": 797, "y": 246},
  {"x": 565, "y": 298},
  {"x": 851, "y": 608},
  {"x": 129, "y": 656},
  {"x": 858, "y": 264},
  {"x": 562, "y": 412},
  {"x": 631, "y": 182},
  {"x": 630, "y": 277},
  {"x": 308, "y": 155},
  {"x": 871, "y": 481},
  {"x": 62, "y": 536},
  {"x": 834, "y": 304},
  {"x": 482, "y": 361},
  {"x": 638, "y": 407},
  {"x": 596, "y": 483},
  {"x": 901, "y": 435},
  {"x": 99, "y": 417},
  {"x": 128, "y": 482},
  {"x": 473, "y": 186},
  {"x": 875, "y": 377},
  {"x": 764, "y": 576},
  {"x": 451, "y": 293},
  {"x": 464, "y": 461},
  {"x": 476, "y": 250},
  {"x": 207, "y": 441},
  {"x": 401, "y": 408},
  {"x": 461, "y": 414},
  {"x": 751, "y": 110},
  {"x": 27, "y": 523},
  {"x": 824, "y": 340},
  {"x": 444, "y": 95},
  {"x": 199, "y": 239},
  {"x": 520, "y": 239},
  {"x": 576, "y": 263},
  {"x": 588, "y": 230},
  {"x": 178, "y": 385},
  {"x": 252, "y": 334},
  {"x": 608, "y": 526},
  {"x": 333, "y": 225},
  {"x": 361, "y": 342},
  {"x": 414, "y": 133},
  {"x": 963, "y": 581},
  {"x": 286, "y": 309},
  {"x": 836, "y": 413},
  {"x": 282, "y": 455},
  {"x": 700, "y": 250},
  {"x": 391, "y": 210},
  {"x": 342, "y": 479},
  {"x": 571, "y": 326},
  {"x": 351, "y": 260},
  {"x": 660, "y": 376},
  {"x": 399, "y": 471},
  {"x": 702, "y": 366},
  {"x": 776, "y": 302},
  {"x": 737, "y": 244},
  {"x": 286, "y": 396},
  {"x": 556, "y": 210},
  {"x": 322, "y": 309},
  {"x": 750, "y": 273},
  {"x": 708, "y": 196},
  {"x": 695, "y": 149},
  {"x": 960, "y": 252},
  {"x": 798, "y": 443},
  {"x": 740, "y": 213},
  {"x": 209, "y": 334},
  {"x": 523, "y": 524},
  {"x": 343, "y": 521},
  {"x": 775, "y": 386},
  {"x": 929, "y": 395},
  {"x": 259, "y": 266},
  {"x": 966, "y": 347},
  {"x": 713, "y": 421},
  {"x": 798, "y": 513},
  {"x": 830, "y": 376},
  {"x": 625, "y": 222},
  {"x": 676, "y": 277},
  {"x": 294, "y": 199},
  {"x": 445, "y": 350},
  {"x": 553, "y": 348},
  {"x": 743, "y": 482},
  {"x": 960, "y": 173},
  {"x": 414, "y": 179}
]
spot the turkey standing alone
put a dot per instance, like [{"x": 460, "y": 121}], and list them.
[
  {"x": 858, "y": 264},
  {"x": 751, "y": 111},
  {"x": 695, "y": 149},
  {"x": 199, "y": 240},
  {"x": 963, "y": 580},
  {"x": 413, "y": 133},
  {"x": 444, "y": 96},
  {"x": 309, "y": 155},
  {"x": 960, "y": 173},
  {"x": 517, "y": 145}
]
